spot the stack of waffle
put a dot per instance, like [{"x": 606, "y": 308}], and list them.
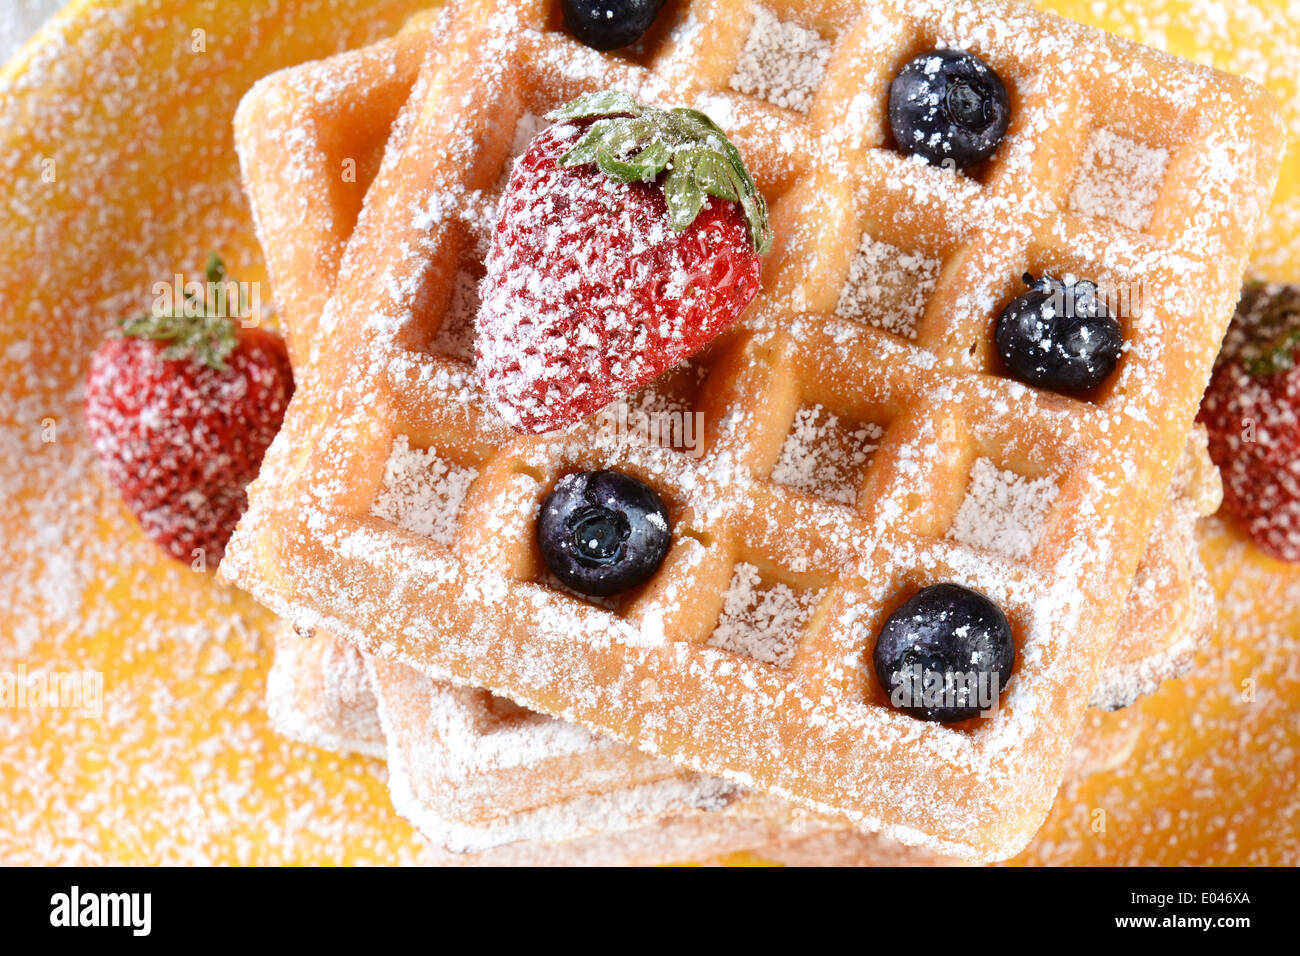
[{"x": 727, "y": 705}]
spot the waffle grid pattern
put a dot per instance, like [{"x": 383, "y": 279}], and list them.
[
  {"x": 471, "y": 770},
  {"x": 462, "y": 782},
  {"x": 939, "y": 398}
]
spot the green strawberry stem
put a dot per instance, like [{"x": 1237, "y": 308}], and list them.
[
  {"x": 193, "y": 330},
  {"x": 630, "y": 142},
  {"x": 1276, "y": 333}
]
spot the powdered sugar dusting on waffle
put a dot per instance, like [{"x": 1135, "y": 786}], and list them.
[
  {"x": 474, "y": 738},
  {"x": 658, "y": 413},
  {"x": 689, "y": 837},
  {"x": 1264, "y": 47},
  {"x": 1119, "y": 179},
  {"x": 1048, "y": 601},
  {"x": 782, "y": 62},
  {"x": 318, "y": 691},
  {"x": 1003, "y": 511},
  {"x": 822, "y": 457},
  {"x": 887, "y": 287},
  {"x": 455, "y": 754},
  {"x": 455, "y": 336},
  {"x": 423, "y": 492},
  {"x": 1172, "y": 575},
  {"x": 762, "y": 622},
  {"x": 529, "y": 125}
]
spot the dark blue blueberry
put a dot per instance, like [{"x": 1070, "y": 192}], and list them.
[
  {"x": 945, "y": 655},
  {"x": 949, "y": 107},
  {"x": 1059, "y": 336},
  {"x": 610, "y": 24},
  {"x": 603, "y": 532}
]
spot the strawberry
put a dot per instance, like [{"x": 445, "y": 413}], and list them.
[
  {"x": 180, "y": 409},
  {"x": 1252, "y": 412},
  {"x": 626, "y": 240}
]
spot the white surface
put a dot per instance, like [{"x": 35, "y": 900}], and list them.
[{"x": 19, "y": 19}]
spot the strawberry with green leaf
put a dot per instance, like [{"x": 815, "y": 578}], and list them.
[
  {"x": 1251, "y": 410},
  {"x": 180, "y": 408},
  {"x": 627, "y": 239}
]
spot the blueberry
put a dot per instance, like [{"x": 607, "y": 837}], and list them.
[
  {"x": 949, "y": 107},
  {"x": 610, "y": 24},
  {"x": 957, "y": 638},
  {"x": 1059, "y": 335},
  {"x": 603, "y": 532}
]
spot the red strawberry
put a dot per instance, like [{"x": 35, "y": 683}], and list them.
[
  {"x": 180, "y": 409},
  {"x": 603, "y": 273},
  {"x": 1252, "y": 412}
]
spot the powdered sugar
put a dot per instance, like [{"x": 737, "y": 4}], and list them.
[
  {"x": 1119, "y": 179},
  {"x": 782, "y": 62},
  {"x": 1003, "y": 511},
  {"x": 318, "y": 692},
  {"x": 887, "y": 287},
  {"x": 564, "y": 662},
  {"x": 50, "y": 823},
  {"x": 762, "y": 621},
  {"x": 455, "y": 337},
  {"x": 1214, "y": 778},
  {"x": 1257, "y": 40},
  {"x": 823, "y": 457},
  {"x": 456, "y": 756},
  {"x": 529, "y": 125},
  {"x": 182, "y": 767},
  {"x": 423, "y": 492}
]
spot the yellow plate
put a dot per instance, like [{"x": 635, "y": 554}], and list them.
[{"x": 118, "y": 169}]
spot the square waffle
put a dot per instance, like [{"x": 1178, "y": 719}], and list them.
[
  {"x": 318, "y": 691},
  {"x": 816, "y": 729}
]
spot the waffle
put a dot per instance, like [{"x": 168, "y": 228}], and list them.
[
  {"x": 478, "y": 608},
  {"x": 455, "y": 789},
  {"x": 474, "y": 772},
  {"x": 446, "y": 769},
  {"x": 1171, "y": 607},
  {"x": 317, "y": 690},
  {"x": 548, "y": 805},
  {"x": 305, "y": 201},
  {"x": 689, "y": 838},
  {"x": 559, "y": 799}
]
